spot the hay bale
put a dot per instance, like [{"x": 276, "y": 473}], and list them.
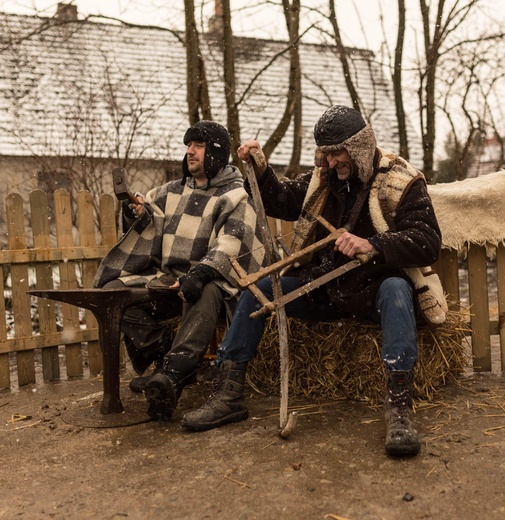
[{"x": 342, "y": 359}]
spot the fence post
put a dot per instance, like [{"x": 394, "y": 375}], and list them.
[
  {"x": 44, "y": 273},
  {"x": 448, "y": 270},
  {"x": 479, "y": 310},
  {"x": 68, "y": 280},
  {"x": 5, "y": 373},
  {"x": 500, "y": 279},
  {"x": 86, "y": 226},
  {"x": 19, "y": 276}
]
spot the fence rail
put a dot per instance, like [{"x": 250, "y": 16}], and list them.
[{"x": 62, "y": 249}]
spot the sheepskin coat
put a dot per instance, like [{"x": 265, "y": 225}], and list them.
[
  {"x": 183, "y": 226},
  {"x": 397, "y": 217}
]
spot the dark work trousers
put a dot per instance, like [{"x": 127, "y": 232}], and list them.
[{"x": 147, "y": 339}]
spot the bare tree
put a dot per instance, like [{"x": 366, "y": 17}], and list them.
[
  {"x": 229, "y": 82},
  {"x": 397, "y": 82},
  {"x": 197, "y": 88},
  {"x": 343, "y": 56},
  {"x": 293, "y": 106},
  {"x": 435, "y": 34},
  {"x": 469, "y": 85}
]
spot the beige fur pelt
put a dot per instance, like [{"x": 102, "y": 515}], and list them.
[{"x": 471, "y": 211}]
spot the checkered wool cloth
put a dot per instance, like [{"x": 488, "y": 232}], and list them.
[{"x": 183, "y": 227}]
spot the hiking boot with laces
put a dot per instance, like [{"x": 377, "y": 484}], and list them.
[
  {"x": 165, "y": 387},
  {"x": 402, "y": 439},
  {"x": 226, "y": 403},
  {"x": 138, "y": 384}
]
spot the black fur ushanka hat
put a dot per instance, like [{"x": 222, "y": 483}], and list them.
[{"x": 217, "y": 149}]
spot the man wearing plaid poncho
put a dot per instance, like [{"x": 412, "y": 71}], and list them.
[{"x": 181, "y": 238}]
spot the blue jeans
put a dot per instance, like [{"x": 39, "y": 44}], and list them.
[{"x": 394, "y": 311}]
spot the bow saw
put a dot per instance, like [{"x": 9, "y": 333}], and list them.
[{"x": 274, "y": 270}]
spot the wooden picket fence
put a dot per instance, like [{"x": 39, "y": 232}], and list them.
[
  {"x": 58, "y": 258},
  {"x": 52, "y": 251}
]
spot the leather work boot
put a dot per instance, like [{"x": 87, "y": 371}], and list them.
[
  {"x": 226, "y": 403},
  {"x": 164, "y": 388},
  {"x": 138, "y": 384},
  {"x": 401, "y": 436}
]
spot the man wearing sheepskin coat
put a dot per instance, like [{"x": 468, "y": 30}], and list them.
[
  {"x": 179, "y": 245},
  {"x": 383, "y": 203}
]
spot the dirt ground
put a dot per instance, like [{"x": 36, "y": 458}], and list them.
[{"x": 332, "y": 466}]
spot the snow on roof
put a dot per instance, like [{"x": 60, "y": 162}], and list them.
[{"x": 103, "y": 89}]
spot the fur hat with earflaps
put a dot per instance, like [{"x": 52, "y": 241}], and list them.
[
  {"x": 217, "y": 147},
  {"x": 341, "y": 127}
]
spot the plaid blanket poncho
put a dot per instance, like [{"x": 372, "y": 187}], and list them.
[{"x": 182, "y": 227}]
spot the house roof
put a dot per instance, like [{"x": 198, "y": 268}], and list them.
[{"x": 103, "y": 89}]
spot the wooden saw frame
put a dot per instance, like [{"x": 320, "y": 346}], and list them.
[{"x": 275, "y": 269}]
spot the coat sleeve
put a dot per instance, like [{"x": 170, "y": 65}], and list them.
[
  {"x": 282, "y": 199},
  {"x": 236, "y": 236},
  {"x": 416, "y": 239}
]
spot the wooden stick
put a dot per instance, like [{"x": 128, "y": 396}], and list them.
[
  {"x": 277, "y": 290},
  {"x": 271, "y": 306}
]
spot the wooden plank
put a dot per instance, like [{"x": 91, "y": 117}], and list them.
[
  {"x": 447, "y": 267},
  {"x": 287, "y": 231},
  {"x": 68, "y": 280},
  {"x": 47, "y": 340},
  {"x": 500, "y": 277},
  {"x": 5, "y": 373},
  {"x": 44, "y": 273},
  {"x": 55, "y": 254},
  {"x": 87, "y": 238},
  {"x": 479, "y": 308},
  {"x": 108, "y": 228},
  {"x": 19, "y": 279}
]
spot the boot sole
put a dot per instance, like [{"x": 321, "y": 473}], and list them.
[
  {"x": 403, "y": 451},
  {"x": 162, "y": 401},
  {"x": 232, "y": 418},
  {"x": 137, "y": 386}
]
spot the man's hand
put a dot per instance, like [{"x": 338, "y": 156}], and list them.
[
  {"x": 138, "y": 208},
  {"x": 350, "y": 245},
  {"x": 244, "y": 154},
  {"x": 192, "y": 284}
]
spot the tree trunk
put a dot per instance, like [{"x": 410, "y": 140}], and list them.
[
  {"x": 197, "y": 90},
  {"x": 294, "y": 95},
  {"x": 356, "y": 103},
  {"x": 229, "y": 83},
  {"x": 397, "y": 83}
]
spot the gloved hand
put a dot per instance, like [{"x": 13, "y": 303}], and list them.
[{"x": 192, "y": 284}]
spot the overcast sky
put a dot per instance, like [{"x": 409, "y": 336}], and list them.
[
  {"x": 248, "y": 20},
  {"x": 258, "y": 18}
]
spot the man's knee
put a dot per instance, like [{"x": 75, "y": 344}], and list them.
[
  {"x": 114, "y": 284},
  {"x": 395, "y": 293},
  {"x": 396, "y": 288}
]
